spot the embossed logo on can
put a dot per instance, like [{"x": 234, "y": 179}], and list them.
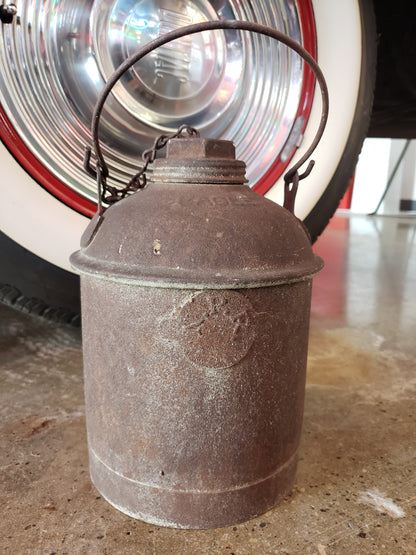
[{"x": 217, "y": 328}]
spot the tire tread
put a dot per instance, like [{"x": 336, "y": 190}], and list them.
[{"x": 12, "y": 297}]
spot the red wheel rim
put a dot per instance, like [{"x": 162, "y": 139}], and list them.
[{"x": 307, "y": 21}]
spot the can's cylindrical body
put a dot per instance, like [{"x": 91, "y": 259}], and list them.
[{"x": 195, "y": 368}]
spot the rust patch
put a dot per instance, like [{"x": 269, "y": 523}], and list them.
[
  {"x": 40, "y": 425},
  {"x": 29, "y": 426}
]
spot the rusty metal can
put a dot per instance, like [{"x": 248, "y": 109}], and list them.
[{"x": 195, "y": 305}]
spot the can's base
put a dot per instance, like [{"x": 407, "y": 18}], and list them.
[{"x": 191, "y": 509}]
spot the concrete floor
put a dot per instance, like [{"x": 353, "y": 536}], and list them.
[{"x": 356, "y": 482}]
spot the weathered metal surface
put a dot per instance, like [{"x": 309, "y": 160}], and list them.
[
  {"x": 209, "y": 230},
  {"x": 195, "y": 303},
  {"x": 194, "y": 399}
]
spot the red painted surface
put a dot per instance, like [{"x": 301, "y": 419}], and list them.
[
  {"x": 38, "y": 171},
  {"x": 347, "y": 198},
  {"x": 307, "y": 21},
  {"x": 328, "y": 293}
]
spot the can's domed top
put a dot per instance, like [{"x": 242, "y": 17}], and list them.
[{"x": 197, "y": 225}]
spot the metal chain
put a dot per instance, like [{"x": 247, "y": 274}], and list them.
[{"x": 111, "y": 194}]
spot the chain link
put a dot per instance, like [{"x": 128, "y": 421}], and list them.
[{"x": 111, "y": 194}]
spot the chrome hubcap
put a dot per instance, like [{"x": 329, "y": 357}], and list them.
[{"x": 228, "y": 84}]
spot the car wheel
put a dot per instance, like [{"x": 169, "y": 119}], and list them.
[{"x": 231, "y": 86}]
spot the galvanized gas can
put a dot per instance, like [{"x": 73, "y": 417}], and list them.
[{"x": 195, "y": 311}]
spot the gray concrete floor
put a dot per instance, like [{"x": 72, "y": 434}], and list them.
[{"x": 356, "y": 483}]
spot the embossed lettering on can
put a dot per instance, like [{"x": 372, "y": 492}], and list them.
[{"x": 217, "y": 328}]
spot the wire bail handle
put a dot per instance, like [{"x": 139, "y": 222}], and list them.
[{"x": 291, "y": 177}]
